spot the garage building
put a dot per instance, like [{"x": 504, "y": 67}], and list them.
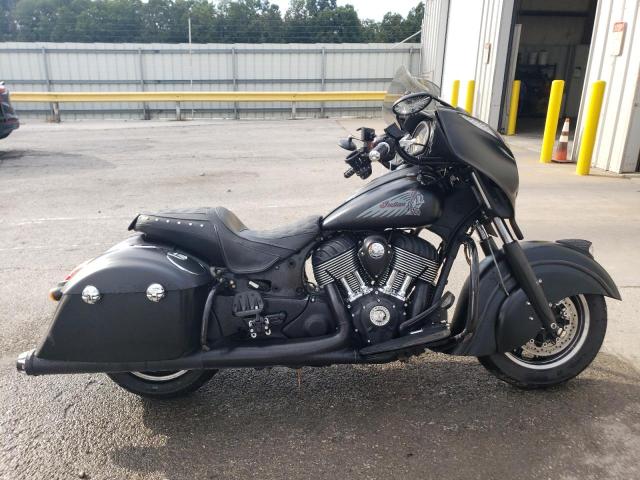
[{"x": 537, "y": 41}]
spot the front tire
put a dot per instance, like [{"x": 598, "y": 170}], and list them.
[
  {"x": 541, "y": 362},
  {"x": 162, "y": 385}
]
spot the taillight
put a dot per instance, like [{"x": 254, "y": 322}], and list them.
[
  {"x": 55, "y": 293},
  {"x": 75, "y": 270}
]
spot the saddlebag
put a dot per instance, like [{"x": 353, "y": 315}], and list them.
[{"x": 136, "y": 302}]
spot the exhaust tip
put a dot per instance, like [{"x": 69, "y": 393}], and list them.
[{"x": 21, "y": 362}]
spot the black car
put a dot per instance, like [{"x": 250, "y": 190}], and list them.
[{"x": 8, "y": 118}]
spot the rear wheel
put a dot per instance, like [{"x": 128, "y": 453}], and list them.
[
  {"x": 159, "y": 385},
  {"x": 544, "y": 361}
]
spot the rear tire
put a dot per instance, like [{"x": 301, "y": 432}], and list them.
[
  {"x": 539, "y": 365},
  {"x": 162, "y": 385}
]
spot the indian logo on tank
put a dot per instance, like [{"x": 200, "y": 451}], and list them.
[{"x": 404, "y": 204}]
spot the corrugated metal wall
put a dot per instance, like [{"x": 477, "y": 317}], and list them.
[
  {"x": 618, "y": 140},
  {"x": 434, "y": 34},
  {"x": 493, "y": 47},
  {"x": 209, "y": 67}
]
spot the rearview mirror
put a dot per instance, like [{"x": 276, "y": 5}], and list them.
[{"x": 347, "y": 143}]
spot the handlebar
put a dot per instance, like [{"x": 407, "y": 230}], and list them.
[
  {"x": 359, "y": 160},
  {"x": 379, "y": 152}
]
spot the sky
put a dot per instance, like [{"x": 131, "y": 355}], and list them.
[{"x": 373, "y": 9}]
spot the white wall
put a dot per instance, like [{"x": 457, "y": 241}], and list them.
[
  {"x": 463, "y": 31},
  {"x": 618, "y": 139},
  {"x": 472, "y": 26}
]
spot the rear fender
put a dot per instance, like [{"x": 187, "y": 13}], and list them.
[{"x": 506, "y": 321}]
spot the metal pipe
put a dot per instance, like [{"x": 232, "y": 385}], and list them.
[
  {"x": 455, "y": 93},
  {"x": 503, "y": 231},
  {"x": 551, "y": 123},
  {"x": 228, "y": 96},
  {"x": 513, "y": 107},
  {"x": 590, "y": 128},
  {"x": 471, "y": 90}
]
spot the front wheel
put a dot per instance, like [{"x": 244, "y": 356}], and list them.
[
  {"x": 161, "y": 385},
  {"x": 543, "y": 361}
]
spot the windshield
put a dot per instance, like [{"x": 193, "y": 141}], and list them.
[{"x": 403, "y": 83}]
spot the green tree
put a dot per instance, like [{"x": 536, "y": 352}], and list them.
[
  {"x": 205, "y": 22},
  {"x": 7, "y": 21},
  {"x": 35, "y": 19},
  {"x": 65, "y": 28},
  {"x": 226, "y": 21},
  {"x": 337, "y": 25},
  {"x": 110, "y": 21}
]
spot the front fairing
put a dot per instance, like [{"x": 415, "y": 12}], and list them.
[{"x": 473, "y": 142}]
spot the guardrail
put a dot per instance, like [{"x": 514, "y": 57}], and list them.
[{"x": 55, "y": 98}]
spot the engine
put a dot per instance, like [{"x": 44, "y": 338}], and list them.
[{"x": 379, "y": 279}]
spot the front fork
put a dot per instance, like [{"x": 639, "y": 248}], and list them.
[
  {"x": 520, "y": 266},
  {"x": 526, "y": 278}
]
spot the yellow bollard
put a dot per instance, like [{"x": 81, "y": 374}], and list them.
[
  {"x": 471, "y": 89},
  {"x": 551, "y": 124},
  {"x": 513, "y": 107},
  {"x": 455, "y": 92},
  {"x": 590, "y": 128}
]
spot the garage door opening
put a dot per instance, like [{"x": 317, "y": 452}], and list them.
[{"x": 551, "y": 42}]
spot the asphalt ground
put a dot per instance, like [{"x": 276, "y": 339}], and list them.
[{"x": 68, "y": 192}]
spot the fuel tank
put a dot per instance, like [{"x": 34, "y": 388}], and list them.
[{"x": 395, "y": 200}]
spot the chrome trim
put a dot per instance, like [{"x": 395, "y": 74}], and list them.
[
  {"x": 402, "y": 292},
  {"x": 350, "y": 293},
  {"x": 91, "y": 295},
  {"x": 388, "y": 286},
  {"x": 364, "y": 288},
  {"x": 485, "y": 199},
  {"x": 172, "y": 255},
  {"x": 156, "y": 292},
  {"x": 21, "y": 361},
  {"x": 159, "y": 378},
  {"x": 503, "y": 231}
]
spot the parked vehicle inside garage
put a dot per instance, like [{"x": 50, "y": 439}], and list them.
[{"x": 8, "y": 118}]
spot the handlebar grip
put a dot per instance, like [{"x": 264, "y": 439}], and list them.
[
  {"x": 379, "y": 152},
  {"x": 349, "y": 173}
]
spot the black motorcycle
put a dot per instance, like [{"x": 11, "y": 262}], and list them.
[{"x": 196, "y": 290}]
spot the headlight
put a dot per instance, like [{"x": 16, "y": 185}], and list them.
[{"x": 416, "y": 143}]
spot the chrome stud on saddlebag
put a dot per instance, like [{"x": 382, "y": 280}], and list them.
[
  {"x": 155, "y": 292},
  {"x": 91, "y": 295}
]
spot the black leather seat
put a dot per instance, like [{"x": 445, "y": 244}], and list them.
[{"x": 218, "y": 236}]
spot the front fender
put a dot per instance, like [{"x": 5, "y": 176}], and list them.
[{"x": 504, "y": 320}]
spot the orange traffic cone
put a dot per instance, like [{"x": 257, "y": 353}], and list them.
[{"x": 560, "y": 153}]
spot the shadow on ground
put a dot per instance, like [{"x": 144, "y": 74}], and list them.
[{"x": 418, "y": 420}]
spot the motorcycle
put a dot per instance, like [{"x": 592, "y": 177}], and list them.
[{"x": 194, "y": 291}]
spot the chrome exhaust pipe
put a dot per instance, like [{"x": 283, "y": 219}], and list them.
[{"x": 23, "y": 358}]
